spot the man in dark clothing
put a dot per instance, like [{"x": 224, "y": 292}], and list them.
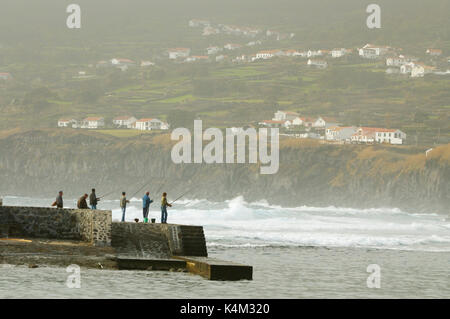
[
  {"x": 82, "y": 204},
  {"x": 59, "y": 200},
  {"x": 146, "y": 201},
  {"x": 93, "y": 200}
]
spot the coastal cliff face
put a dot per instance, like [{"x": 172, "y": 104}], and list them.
[{"x": 39, "y": 163}]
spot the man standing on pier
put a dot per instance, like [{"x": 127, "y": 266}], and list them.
[
  {"x": 123, "y": 204},
  {"x": 164, "y": 205},
  {"x": 59, "y": 200},
  {"x": 93, "y": 200},
  {"x": 146, "y": 201}
]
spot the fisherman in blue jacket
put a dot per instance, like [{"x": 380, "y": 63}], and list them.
[{"x": 146, "y": 201}]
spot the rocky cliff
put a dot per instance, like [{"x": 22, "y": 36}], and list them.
[{"x": 39, "y": 163}]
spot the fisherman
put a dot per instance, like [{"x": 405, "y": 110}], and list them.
[
  {"x": 164, "y": 205},
  {"x": 146, "y": 201},
  {"x": 123, "y": 205},
  {"x": 82, "y": 204},
  {"x": 59, "y": 200},
  {"x": 93, "y": 199}
]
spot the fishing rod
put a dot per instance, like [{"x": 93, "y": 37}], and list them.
[
  {"x": 146, "y": 183},
  {"x": 182, "y": 195}
]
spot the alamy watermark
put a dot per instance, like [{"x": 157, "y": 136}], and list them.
[
  {"x": 374, "y": 280},
  {"x": 218, "y": 152},
  {"x": 74, "y": 279},
  {"x": 74, "y": 19},
  {"x": 374, "y": 19}
]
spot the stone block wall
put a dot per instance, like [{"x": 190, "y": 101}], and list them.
[
  {"x": 158, "y": 240},
  {"x": 51, "y": 223}
]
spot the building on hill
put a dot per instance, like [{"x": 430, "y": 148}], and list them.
[
  {"x": 92, "y": 123},
  {"x": 370, "y": 135},
  {"x": 338, "y": 53},
  {"x": 370, "y": 51},
  {"x": 268, "y": 54},
  {"x": 321, "y": 64},
  {"x": 213, "y": 50},
  {"x": 194, "y": 23},
  {"x": 124, "y": 121},
  {"x": 324, "y": 122},
  {"x": 179, "y": 53},
  {"x": 340, "y": 134},
  {"x": 195, "y": 58},
  {"x": 276, "y": 123},
  {"x": 66, "y": 122},
  {"x": 434, "y": 52},
  {"x": 419, "y": 70},
  {"x": 389, "y": 136},
  {"x": 303, "y": 121},
  {"x": 285, "y": 115},
  {"x": 121, "y": 62},
  {"x": 232, "y": 46},
  {"x": 148, "y": 124}
]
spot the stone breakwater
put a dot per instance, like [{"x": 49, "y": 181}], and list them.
[
  {"x": 89, "y": 237},
  {"x": 50, "y": 223}
]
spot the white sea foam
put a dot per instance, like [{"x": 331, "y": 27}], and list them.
[{"x": 237, "y": 223}]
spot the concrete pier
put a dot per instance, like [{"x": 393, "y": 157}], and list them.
[{"x": 89, "y": 238}]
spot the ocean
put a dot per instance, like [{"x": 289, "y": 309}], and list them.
[{"x": 296, "y": 252}]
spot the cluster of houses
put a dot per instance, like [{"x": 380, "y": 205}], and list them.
[
  {"x": 240, "y": 31},
  {"x": 122, "y": 122},
  {"x": 396, "y": 62},
  {"x": 328, "y": 129},
  {"x": 122, "y": 64}
]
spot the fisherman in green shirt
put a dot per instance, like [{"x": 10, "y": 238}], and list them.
[{"x": 164, "y": 205}]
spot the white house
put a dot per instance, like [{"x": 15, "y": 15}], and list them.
[
  {"x": 274, "y": 123},
  {"x": 194, "y": 23},
  {"x": 147, "y": 124},
  {"x": 323, "y": 122},
  {"x": 267, "y": 54},
  {"x": 232, "y": 46},
  {"x": 124, "y": 121},
  {"x": 397, "y": 61},
  {"x": 370, "y": 51},
  {"x": 389, "y": 136},
  {"x": 321, "y": 64},
  {"x": 285, "y": 115},
  {"x": 66, "y": 122},
  {"x": 147, "y": 64},
  {"x": 213, "y": 50},
  {"x": 179, "y": 53},
  {"x": 420, "y": 69},
  {"x": 364, "y": 135},
  {"x": 434, "y": 52},
  {"x": 210, "y": 31},
  {"x": 313, "y": 53},
  {"x": 93, "y": 122},
  {"x": 338, "y": 53},
  {"x": 406, "y": 68},
  {"x": 195, "y": 58},
  {"x": 122, "y": 62},
  {"x": 341, "y": 134}
]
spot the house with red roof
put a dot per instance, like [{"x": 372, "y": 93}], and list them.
[
  {"x": 93, "y": 122},
  {"x": 179, "y": 53},
  {"x": 371, "y": 135}
]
